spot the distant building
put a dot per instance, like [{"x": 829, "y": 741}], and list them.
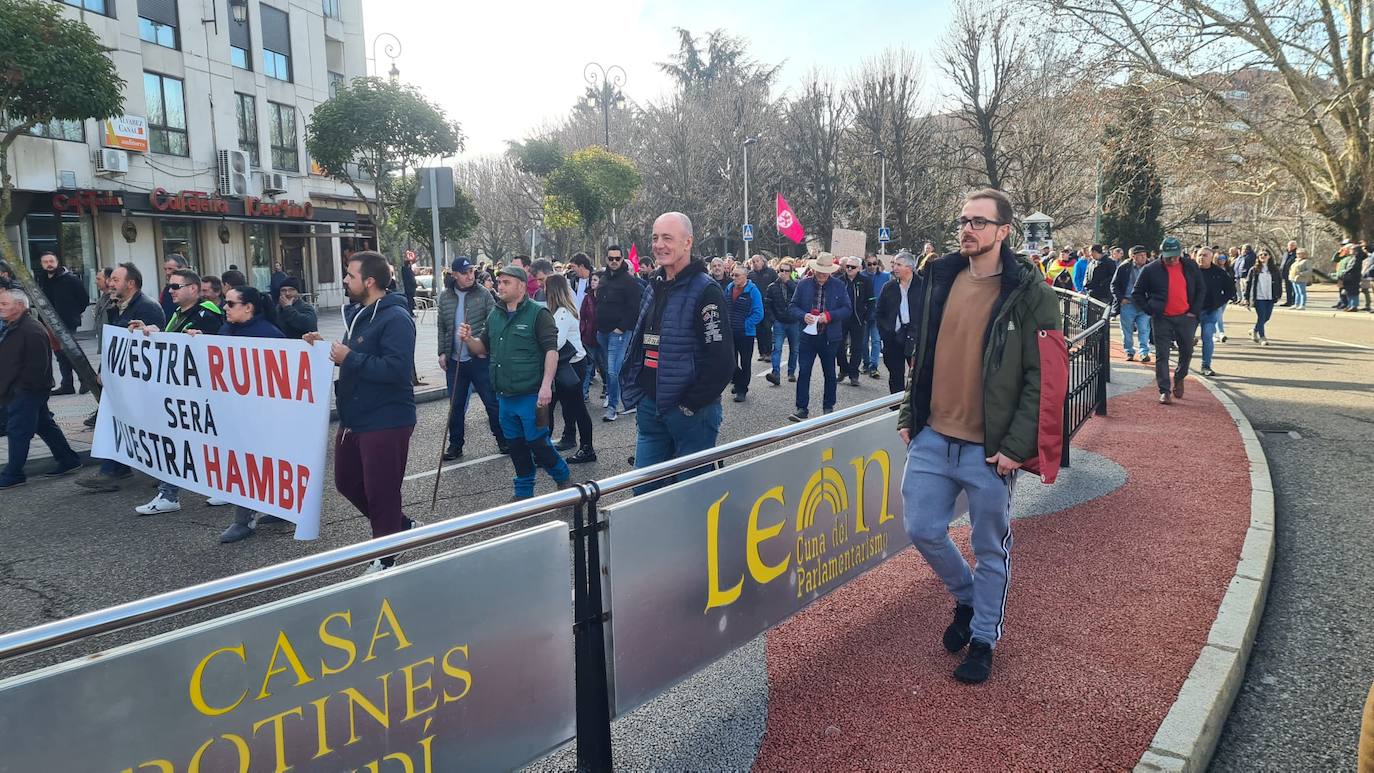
[{"x": 209, "y": 160}]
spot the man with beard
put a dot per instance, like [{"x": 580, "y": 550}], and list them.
[
  {"x": 465, "y": 301},
  {"x": 67, "y": 294},
  {"x": 968, "y": 427},
  {"x": 680, "y": 356}
]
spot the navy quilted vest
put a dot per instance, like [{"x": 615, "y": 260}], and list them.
[{"x": 677, "y": 358}]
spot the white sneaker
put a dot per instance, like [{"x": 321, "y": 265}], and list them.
[
  {"x": 158, "y": 505},
  {"x": 375, "y": 566},
  {"x": 1263, "y": 341},
  {"x": 1223, "y": 338},
  {"x": 1254, "y": 336},
  {"x": 216, "y": 502}
]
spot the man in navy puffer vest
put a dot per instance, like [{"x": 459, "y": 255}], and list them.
[{"x": 681, "y": 354}]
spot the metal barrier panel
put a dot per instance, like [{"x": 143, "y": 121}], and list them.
[
  {"x": 702, "y": 567},
  {"x": 460, "y": 661}
]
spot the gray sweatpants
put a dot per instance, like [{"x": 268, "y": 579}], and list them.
[{"x": 937, "y": 469}]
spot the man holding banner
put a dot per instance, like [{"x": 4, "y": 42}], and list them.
[{"x": 986, "y": 388}]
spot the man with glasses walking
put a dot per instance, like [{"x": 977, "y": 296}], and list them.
[
  {"x": 873, "y": 270},
  {"x": 617, "y": 309},
  {"x": 854, "y": 346}
]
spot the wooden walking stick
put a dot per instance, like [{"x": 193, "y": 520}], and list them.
[{"x": 443, "y": 440}]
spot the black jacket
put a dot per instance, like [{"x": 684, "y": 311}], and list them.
[
  {"x": 1275, "y": 283},
  {"x": 1098, "y": 280},
  {"x": 617, "y": 300},
  {"x": 860, "y": 289},
  {"x": 67, "y": 294},
  {"x": 777, "y": 297},
  {"x": 888, "y": 311},
  {"x": 141, "y": 308},
  {"x": 1152, "y": 287},
  {"x": 297, "y": 319},
  {"x": 202, "y": 317},
  {"x": 763, "y": 279},
  {"x": 1120, "y": 278},
  {"x": 25, "y": 359},
  {"x": 1220, "y": 287}
]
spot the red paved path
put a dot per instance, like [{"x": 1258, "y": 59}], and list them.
[{"x": 1111, "y": 602}]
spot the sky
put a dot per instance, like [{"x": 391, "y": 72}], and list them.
[{"x": 502, "y": 68}]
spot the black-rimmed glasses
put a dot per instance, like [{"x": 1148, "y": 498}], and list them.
[{"x": 976, "y": 223}]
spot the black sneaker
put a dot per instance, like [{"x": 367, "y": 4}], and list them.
[
  {"x": 64, "y": 469},
  {"x": 977, "y": 665},
  {"x": 801, "y": 414},
  {"x": 65, "y": 389},
  {"x": 90, "y": 420},
  {"x": 584, "y": 455},
  {"x": 739, "y": 397},
  {"x": 452, "y": 453},
  {"x": 503, "y": 448},
  {"x": 958, "y": 633},
  {"x": 565, "y": 443},
  {"x": 12, "y": 483}
]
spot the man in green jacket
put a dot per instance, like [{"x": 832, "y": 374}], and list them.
[
  {"x": 971, "y": 415},
  {"x": 522, "y": 342}
]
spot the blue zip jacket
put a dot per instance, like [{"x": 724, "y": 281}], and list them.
[
  {"x": 254, "y": 328},
  {"x": 746, "y": 311},
  {"x": 837, "y": 304},
  {"x": 374, "y": 390}
]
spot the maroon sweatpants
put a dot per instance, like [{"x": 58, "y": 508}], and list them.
[{"x": 368, "y": 468}]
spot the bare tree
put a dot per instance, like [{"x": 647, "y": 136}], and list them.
[
  {"x": 984, "y": 59},
  {"x": 815, "y": 122}
]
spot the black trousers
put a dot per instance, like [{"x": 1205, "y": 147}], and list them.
[
  {"x": 576, "y": 421},
  {"x": 894, "y": 358},
  {"x": 64, "y": 365},
  {"x": 1172, "y": 331},
  {"x": 764, "y": 335},
  {"x": 744, "y": 363},
  {"x": 853, "y": 349}
]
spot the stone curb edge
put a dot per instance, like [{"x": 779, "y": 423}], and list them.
[
  {"x": 1190, "y": 731},
  {"x": 37, "y": 465}
]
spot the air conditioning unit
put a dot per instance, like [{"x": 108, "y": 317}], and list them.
[
  {"x": 112, "y": 161},
  {"x": 273, "y": 183},
  {"x": 235, "y": 173}
]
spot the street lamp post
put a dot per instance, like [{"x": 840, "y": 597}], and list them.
[
  {"x": 391, "y": 50},
  {"x": 747, "y": 142},
  {"x": 607, "y": 81},
  {"x": 882, "y": 198}
]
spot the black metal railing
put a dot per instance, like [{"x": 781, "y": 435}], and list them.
[{"x": 1087, "y": 330}]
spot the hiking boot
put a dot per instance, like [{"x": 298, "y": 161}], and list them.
[
  {"x": 772, "y": 378},
  {"x": 584, "y": 455},
  {"x": 1165, "y": 399},
  {"x": 90, "y": 420},
  {"x": 158, "y": 504},
  {"x": 236, "y": 532},
  {"x": 452, "y": 453},
  {"x": 977, "y": 665},
  {"x": 958, "y": 633},
  {"x": 1178, "y": 388},
  {"x": 801, "y": 414},
  {"x": 565, "y": 443}
]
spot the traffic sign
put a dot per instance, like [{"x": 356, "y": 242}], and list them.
[
  {"x": 884, "y": 235},
  {"x": 748, "y": 232}
]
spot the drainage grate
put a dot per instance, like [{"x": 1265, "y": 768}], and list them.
[{"x": 1292, "y": 433}]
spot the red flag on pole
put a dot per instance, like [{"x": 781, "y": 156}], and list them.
[
  {"x": 788, "y": 224},
  {"x": 634, "y": 258}
]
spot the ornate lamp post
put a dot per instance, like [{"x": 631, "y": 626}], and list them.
[
  {"x": 391, "y": 50},
  {"x": 606, "y": 83}
]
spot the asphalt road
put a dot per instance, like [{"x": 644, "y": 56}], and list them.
[
  {"x": 1313, "y": 660},
  {"x": 64, "y": 551}
]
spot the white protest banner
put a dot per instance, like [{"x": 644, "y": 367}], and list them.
[
  {"x": 242, "y": 419},
  {"x": 845, "y": 243}
]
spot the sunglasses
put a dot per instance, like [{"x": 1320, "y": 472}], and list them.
[
  {"x": 614, "y": 258},
  {"x": 173, "y": 286},
  {"x": 232, "y": 304}
]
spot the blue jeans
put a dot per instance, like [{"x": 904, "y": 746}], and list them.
[
  {"x": 27, "y": 415},
  {"x": 671, "y": 435},
  {"x": 596, "y": 364},
  {"x": 875, "y": 346},
  {"x": 811, "y": 348},
  {"x": 1209, "y": 321},
  {"x": 471, "y": 376},
  {"x": 937, "y": 469},
  {"x": 1300, "y": 294},
  {"x": 613, "y": 344},
  {"x": 1137, "y": 322},
  {"x": 789, "y": 331},
  {"x": 529, "y": 444},
  {"x": 1263, "y": 311}
]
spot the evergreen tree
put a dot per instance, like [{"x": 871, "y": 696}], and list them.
[{"x": 1132, "y": 191}]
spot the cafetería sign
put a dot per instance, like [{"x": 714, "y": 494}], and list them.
[{"x": 182, "y": 202}]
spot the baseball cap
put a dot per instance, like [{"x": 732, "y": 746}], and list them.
[
  {"x": 461, "y": 264},
  {"x": 515, "y": 271},
  {"x": 1170, "y": 248}
]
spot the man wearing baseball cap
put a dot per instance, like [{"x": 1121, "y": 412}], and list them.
[
  {"x": 465, "y": 301},
  {"x": 1171, "y": 291},
  {"x": 522, "y": 341}
]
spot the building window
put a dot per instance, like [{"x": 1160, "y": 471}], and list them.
[
  {"x": 336, "y": 82},
  {"x": 179, "y": 236},
  {"x": 56, "y": 129},
  {"x": 331, "y": 9},
  {"x": 276, "y": 43},
  {"x": 247, "y": 109},
  {"x": 165, "y": 103},
  {"x": 90, "y": 5},
  {"x": 285, "y": 156},
  {"x": 157, "y": 22},
  {"x": 258, "y": 241},
  {"x": 240, "y": 42}
]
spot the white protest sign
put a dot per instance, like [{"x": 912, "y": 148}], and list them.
[
  {"x": 845, "y": 242},
  {"x": 242, "y": 419}
]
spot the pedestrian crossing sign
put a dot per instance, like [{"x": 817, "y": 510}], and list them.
[
  {"x": 884, "y": 235},
  {"x": 748, "y": 232}
]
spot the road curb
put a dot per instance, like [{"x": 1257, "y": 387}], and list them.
[
  {"x": 1189, "y": 733},
  {"x": 1327, "y": 313}
]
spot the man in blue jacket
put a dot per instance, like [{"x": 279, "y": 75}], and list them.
[
  {"x": 374, "y": 395},
  {"x": 822, "y": 305},
  {"x": 746, "y": 311},
  {"x": 873, "y": 269}
]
